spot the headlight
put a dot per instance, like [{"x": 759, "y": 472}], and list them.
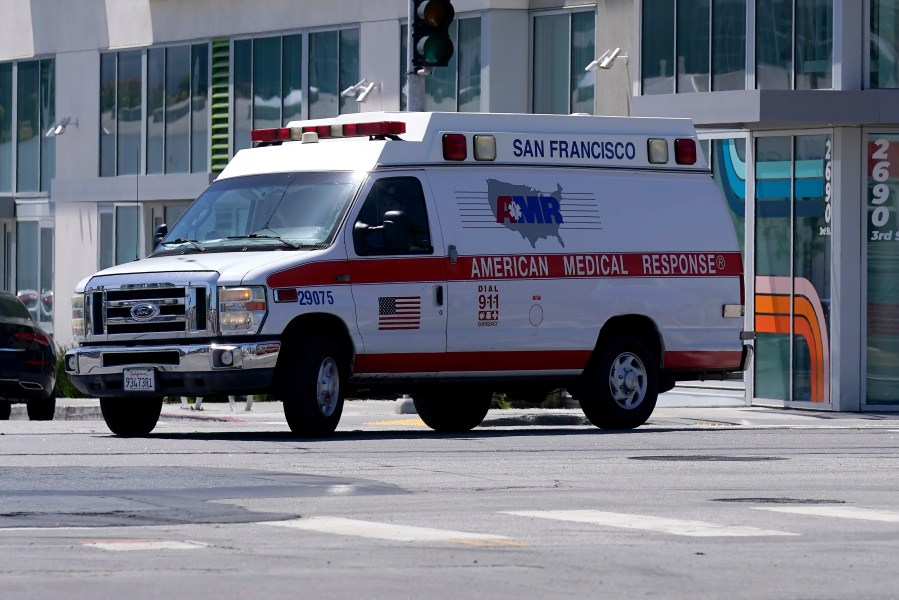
[
  {"x": 241, "y": 309},
  {"x": 78, "y": 316}
]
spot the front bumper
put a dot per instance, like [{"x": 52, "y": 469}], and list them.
[{"x": 180, "y": 370}]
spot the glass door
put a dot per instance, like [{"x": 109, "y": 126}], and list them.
[{"x": 793, "y": 251}]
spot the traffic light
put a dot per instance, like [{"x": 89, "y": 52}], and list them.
[{"x": 432, "y": 44}]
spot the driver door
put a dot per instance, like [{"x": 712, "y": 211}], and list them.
[{"x": 398, "y": 277}]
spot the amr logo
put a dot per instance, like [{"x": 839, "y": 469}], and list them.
[{"x": 528, "y": 209}]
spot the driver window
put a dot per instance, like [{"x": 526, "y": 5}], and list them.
[{"x": 393, "y": 219}]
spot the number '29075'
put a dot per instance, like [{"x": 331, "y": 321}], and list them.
[{"x": 315, "y": 298}]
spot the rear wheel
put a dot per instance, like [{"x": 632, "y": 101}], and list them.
[
  {"x": 5, "y": 411},
  {"x": 311, "y": 384},
  {"x": 131, "y": 417},
  {"x": 42, "y": 410},
  {"x": 450, "y": 410},
  {"x": 620, "y": 387}
]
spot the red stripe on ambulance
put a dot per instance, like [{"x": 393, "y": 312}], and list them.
[{"x": 526, "y": 266}]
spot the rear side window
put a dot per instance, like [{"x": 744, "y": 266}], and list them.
[
  {"x": 393, "y": 219},
  {"x": 10, "y": 307}
]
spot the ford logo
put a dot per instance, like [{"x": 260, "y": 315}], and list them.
[{"x": 144, "y": 311}]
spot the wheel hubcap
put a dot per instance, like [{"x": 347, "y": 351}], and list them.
[
  {"x": 327, "y": 387},
  {"x": 627, "y": 380}
]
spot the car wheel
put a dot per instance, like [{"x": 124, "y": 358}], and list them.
[
  {"x": 131, "y": 417},
  {"x": 620, "y": 386},
  {"x": 311, "y": 384},
  {"x": 42, "y": 410},
  {"x": 452, "y": 410},
  {"x": 5, "y": 411}
]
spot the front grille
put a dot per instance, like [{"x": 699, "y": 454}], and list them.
[
  {"x": 169, "y": 357},
  {"x": 148, "y": 309}
]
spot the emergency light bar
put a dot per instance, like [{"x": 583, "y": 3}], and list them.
[{"x": 337, "y": 130}]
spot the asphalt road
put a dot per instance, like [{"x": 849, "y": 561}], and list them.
[{"x": 702, "y": 502}]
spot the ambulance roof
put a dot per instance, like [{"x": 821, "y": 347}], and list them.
[{"x": 488, "y": 139}]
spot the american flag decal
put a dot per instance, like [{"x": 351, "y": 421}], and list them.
[{"x": 399, "y": 312}]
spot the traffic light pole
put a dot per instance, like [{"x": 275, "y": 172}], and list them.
[{"x": 415, "y": 82}]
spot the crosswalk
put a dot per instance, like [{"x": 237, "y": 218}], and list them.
[
  {"x": 650, "y": 523},
  {"x": 591, "y": 520}
]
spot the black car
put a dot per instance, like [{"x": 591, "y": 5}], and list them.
[{"x": 27, "y": 362}]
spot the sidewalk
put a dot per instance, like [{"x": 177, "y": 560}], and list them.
[{"x": 703, "y": 404}]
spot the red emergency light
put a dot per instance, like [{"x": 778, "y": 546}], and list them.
[
  {"x": 374, "y": 128},
  {"x": 685, "y": 151},
  {"x": 337, "y": 130}
]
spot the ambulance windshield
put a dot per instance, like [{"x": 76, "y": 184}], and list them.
[{"x": 289, "y": 211}]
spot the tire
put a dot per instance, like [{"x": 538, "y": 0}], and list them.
[
  {"x": 42, "y": 410},
  {"x": 5, "y": 411},
  {"x": 452, "y": 410},
  {"x": 131, "y": 417},
  {"x": 312, "y": 384},
  {"x": 621, "y": 384}
]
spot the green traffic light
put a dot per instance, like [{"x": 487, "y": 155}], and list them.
[{"x": 435, "y": 49}]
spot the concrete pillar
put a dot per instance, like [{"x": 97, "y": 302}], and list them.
[{"x": 847, "y": 311}]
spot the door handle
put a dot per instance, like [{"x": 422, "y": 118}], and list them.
[{"x": 438, "y": 295}]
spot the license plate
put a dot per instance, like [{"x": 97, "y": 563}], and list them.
[{"x": 140, "y": 380}]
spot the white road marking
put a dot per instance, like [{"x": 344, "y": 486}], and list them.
[
  {"x": 391, "y": 531},
  {"x": 649, "y": 523},
  {"x": 126, "y": 545},
  {"x": 842, "y": 512}
]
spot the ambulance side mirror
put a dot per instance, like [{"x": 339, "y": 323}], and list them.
[
  {"x": 367, "y": 239},
  {"x": 159, "y": 234}
]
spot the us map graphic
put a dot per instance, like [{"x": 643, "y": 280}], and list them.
[{"x": 532, "y": 213}]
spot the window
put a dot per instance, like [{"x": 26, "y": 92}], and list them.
[
  {"x": 693, "y": 61},
  {"x": 882, "y": 215},
  {"x": 728, "y": 45},
  {"x": 6, "y": 128},
  {"x": 794, "y": 44},
  {"x": 34, "y": 269},
  {"x": 177, "y": 129},
  {"x": 119, "y": 234},
  {"x": 693, "y": 46},
  {"x": 35, "y": 107},
  {"x": 793, "y": 258},
  {"x": 729, "y": 171},
  {"x": 282, "y": 211},
  {"x": 333, "y": 66},
  {"x": 563, "y": 39},
  {"x": 700, "y": 45},
  {"x": 393, "y": 219},
  {"x": 457, "y": 86},
  {"x": 884, "y": 43},
  {"x": 268, "y": 79},
  {"x": 657, "y": 47}
]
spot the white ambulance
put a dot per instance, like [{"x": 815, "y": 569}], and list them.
[{"x": 447, "y": 256}]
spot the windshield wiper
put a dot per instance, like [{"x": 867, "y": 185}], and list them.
[
  {"x": 194, "y": 243},
  {"x": 261, "y": 236}
]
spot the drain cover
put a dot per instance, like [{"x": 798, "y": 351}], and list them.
[
  {"x": 780, "y": 500},
  {"x": 708, "y": 458}
]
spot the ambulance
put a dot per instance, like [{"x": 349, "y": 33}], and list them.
[{"x": 446, "y": 256}]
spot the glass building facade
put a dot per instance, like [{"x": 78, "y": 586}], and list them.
[{"x": 799, "y": 171}]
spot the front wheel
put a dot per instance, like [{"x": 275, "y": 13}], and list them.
[
  {"x": 451, "y": 410},
  {"x": 131, "y": 417},
  {"x": 620, "y": 386},
  {"x": 42, "y": 410},
  {"x": 311, "y": 386}
]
